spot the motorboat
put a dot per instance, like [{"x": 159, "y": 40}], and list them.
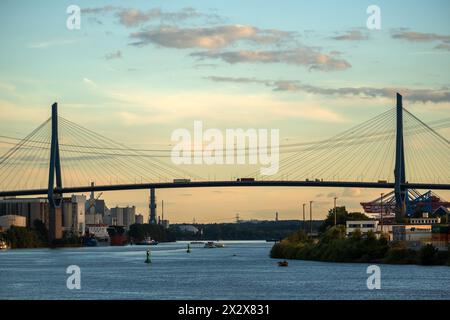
[
  {"x": 147, "y": 242},
  {"x": 212, "y": 244},
  {"x": 283, "y": 263},
  {"x": 3, "y": 245}
]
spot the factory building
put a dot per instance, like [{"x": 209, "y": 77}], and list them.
[{"x": 123, "y": 216}]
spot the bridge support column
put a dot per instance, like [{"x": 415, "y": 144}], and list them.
[
  {"x": 399, "y": 171},
  {"x": 152, "y": 206},
  {"x": 54, "y": 194}
]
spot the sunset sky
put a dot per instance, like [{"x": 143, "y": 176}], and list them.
[{"x": 138, "y": 70}]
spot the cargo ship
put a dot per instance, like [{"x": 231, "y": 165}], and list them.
[{"x": 117, "y": 236}]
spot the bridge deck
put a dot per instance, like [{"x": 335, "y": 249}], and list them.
[{"x": 212, "y": 184}]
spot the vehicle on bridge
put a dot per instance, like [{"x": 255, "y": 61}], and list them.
[
  {"x": 181, "y": 180},
  {"x": 245, "y": 179}
]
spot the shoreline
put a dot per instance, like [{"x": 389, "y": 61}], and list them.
[{"x": 334, "y": 246}]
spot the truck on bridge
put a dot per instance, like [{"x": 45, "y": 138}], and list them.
[{"x": 181, "y": 180}]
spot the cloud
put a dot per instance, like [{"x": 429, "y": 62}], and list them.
[
  {"x": 114, "y": 55},
  {"x": 207, "y": 37},
  {"x": 95, "y": 20},
  {"x": 216, "y": 108},
  {"x": 413, "y": 95},
  {"x": 134, "y": 17},
  {"x": 418, "y": 36},
  {"x": 53, "y": 43},
  {"x": 7, "y": 86},
  {"x": 130, "y": 17},
  {"x": 352, "y": 192},
  {"x": 99, "y": 10},
  {"x": 352, "y": 35},
  {"x": 89, "y": 82},
  {"x": 414, "y": 36},
  {"x": 303, "y": 56},
  {"x": 443, "y": 46}
]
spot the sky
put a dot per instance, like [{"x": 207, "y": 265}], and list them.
[{"x": 136, "y": 71}]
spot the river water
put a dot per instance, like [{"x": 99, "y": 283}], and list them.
[{"x": 241, "y": 270}]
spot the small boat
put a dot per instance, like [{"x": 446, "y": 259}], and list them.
[
  {"x": 197, "y": 242},
  {"x": 212, "y": 244},
  {"x": 89, "y": 241},
  {"x": 147, "y": 242},
  {"x": 283, "y": 263},
  {"x": 209, "y": 244},
  {"x": 3, "y": 245}
]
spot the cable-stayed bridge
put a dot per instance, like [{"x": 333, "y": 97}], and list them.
[{"x": 392, "y": 150}]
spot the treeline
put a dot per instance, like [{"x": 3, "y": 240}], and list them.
[
  {"x": 333, "y": 246},
  {"x": 261, "y": 230},
  {"x": 139, "y": 232},
  {"x": 36, "y": 237}
]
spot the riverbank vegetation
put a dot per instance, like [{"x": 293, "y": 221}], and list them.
[
  {"x": 139, "y": 232},
  {"x": 245, "y": 230},
  {"x": 333, "y": 246},
  {"x": 37, "y": 237}
]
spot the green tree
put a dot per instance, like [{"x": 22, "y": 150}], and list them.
[
  {"x": 298, "y": 236},
  {"x": 427, "y": 255},
  {"x": 333, "y": 233},
  {"x": 139, "y": 232},
  {"x": 342, "y": 215},
  {"x": 41, "y": 231},
  {"x": 21, "y": 237}
]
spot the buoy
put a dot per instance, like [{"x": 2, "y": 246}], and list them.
[
  {"x": 148, "y": 260},
  {"x": 188, "y": 249}
]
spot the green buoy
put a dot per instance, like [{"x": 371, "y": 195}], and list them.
[
  {"x": 188, "y": 249},
  {"x": 148, "y": 260}
]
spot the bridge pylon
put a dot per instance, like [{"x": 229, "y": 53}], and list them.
[
  {"x": 399, "y": 170},
  {"x": 54, "y": 193},
  {"x": 152, "y": 206}
]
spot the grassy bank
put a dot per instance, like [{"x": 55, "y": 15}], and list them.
[{"x": 333, "y": 246}]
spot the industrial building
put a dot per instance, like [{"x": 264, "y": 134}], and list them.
[
  {"x": 363, "y": 226},
  {"x": 414, "y": 234},
  {"x": 95, "y": 209},
  {"x": 70, "y": 219},
  {"x": 440, "y": 237},
  {"x": 123, "y": 216},
  {"x": 73, "y": 214},
  {"x": 30, "y": 208},
  {"x": 416, "y": 203},
  {"x": 9, "y": 220}
]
